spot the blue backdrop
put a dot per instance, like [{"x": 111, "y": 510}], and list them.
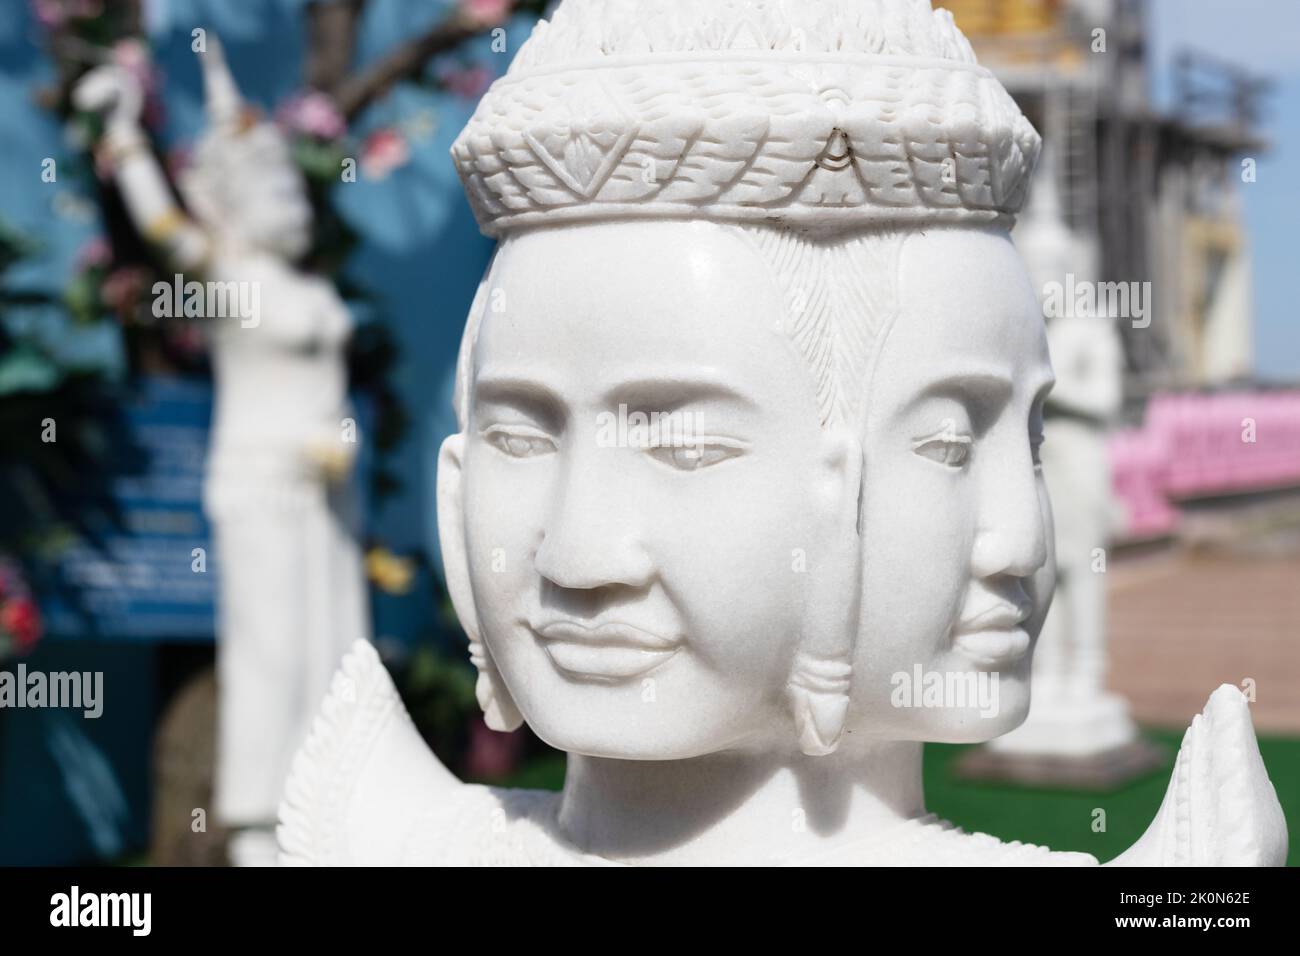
[{"x": 74, "y": 789}]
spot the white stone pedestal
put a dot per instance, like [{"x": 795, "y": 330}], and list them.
[
  {"x": 1087, "y": 743},
  {"x": 1071, "y": 728}
]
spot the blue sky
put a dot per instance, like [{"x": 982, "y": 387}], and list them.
[{"x": 1263, "y": 35}]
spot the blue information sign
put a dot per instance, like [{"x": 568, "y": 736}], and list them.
[{"x": 138, "y": 579}]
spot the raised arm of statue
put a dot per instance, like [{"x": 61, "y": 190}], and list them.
[{"x": 114, "y": 92}]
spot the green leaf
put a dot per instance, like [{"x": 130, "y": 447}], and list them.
[
  {"x": 82, "y": 296},
  {"x": 25, "y": 369}
]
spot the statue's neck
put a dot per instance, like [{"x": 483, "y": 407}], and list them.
[{"x": 738, "y": 808}]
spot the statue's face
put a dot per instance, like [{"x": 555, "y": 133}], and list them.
[
  {"x": 646, "y": 602},
  {"x": 639, "y": 601},
  {"x": 276, "y": 215},
  {"x": 956, "y": 518},
  {"x": 268, "y": 209}
]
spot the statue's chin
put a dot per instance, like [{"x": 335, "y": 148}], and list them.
[
  {"x": 587, "y": 742},
  {"x": 575, "y": 732},
  {"x": 982, "y": 722}
]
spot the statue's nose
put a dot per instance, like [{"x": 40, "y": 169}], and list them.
[
  {"x": 1012, "y": 535},
  {"x": 591, "y": 538}
]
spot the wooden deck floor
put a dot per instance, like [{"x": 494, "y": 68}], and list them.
[{"x": 1185, "y": 621}]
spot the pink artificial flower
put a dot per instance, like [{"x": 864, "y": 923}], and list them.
[
  {"x": 187, "y": 338},
  {"x": 491, "y": 755},
  {"x": 133, "y": 56},
  {"x": 94, "y": 254},
  {"x": 314, "y": 113},
  {"x": 123, "y": 289},
  {"x": 470, "y": 83},
  {"x": 53, "y": 14},
  {"x": 20, "y": 618},
  {"x": 384, "y": 150},
  {"x": 488, "y": 12},
  {"x": 49, "y": 13}
]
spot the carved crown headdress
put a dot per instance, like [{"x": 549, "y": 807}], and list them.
[
  {"x": 237, "y": 139},
  {"x": 805, "y": 113}
]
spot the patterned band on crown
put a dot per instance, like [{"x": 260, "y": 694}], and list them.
[{"x": 813, "y": 139}]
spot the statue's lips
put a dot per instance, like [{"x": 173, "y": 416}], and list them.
[
  {"x": 994, "y": 637},
  {"x": 605, "y": 652},
  {"x": 993, "y": 648}
]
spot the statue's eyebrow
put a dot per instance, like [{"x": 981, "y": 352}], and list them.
[
  {"x": 666, "y": 392},
  {"x": 527, "y": 394},
  {"x": 985, "y": 385}
]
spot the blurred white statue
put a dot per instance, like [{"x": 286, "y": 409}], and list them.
[
  {"x": 745, "y": 504},
  {"x": 1073, "y": 715},
  {"x": 278, "y": 490}
]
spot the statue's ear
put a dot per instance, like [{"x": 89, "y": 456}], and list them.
[{"x": 499, "y": 709}]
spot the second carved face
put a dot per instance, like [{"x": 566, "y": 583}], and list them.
[{"x": 648, "y": 489}]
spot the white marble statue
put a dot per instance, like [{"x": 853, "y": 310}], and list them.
[
  {"x": 278, "y": 491},
  {"x": 745, "y": 504},
  {"x": 1073, "y": 715}
]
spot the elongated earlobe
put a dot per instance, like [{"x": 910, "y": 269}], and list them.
[
  {"x": 819, "y": 697},
  {"x": 499, "y": 709}
]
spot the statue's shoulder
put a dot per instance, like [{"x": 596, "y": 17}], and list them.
[
  {"x": 364, "y": 779},
  {"x": 1220, "y": 808},
  {"x": 365, "y": 790}
]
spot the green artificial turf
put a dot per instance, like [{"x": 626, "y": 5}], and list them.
[
  {"x": 1060, "y": 819},
  {"x": 1063, "y": 819}
]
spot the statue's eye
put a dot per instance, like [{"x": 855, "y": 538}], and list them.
[
  {"x": 694, "y": 457},
  {"x": 518, "y": 441},
  {"x": 945, "y": 448}
]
